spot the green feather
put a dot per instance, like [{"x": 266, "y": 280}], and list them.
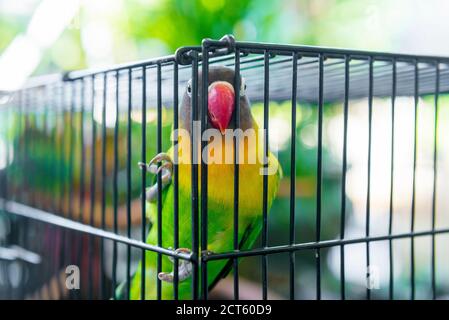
[{"x": 220, "y": 227}]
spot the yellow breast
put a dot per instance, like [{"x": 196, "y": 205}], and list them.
[{"x": 220, "y": 158}]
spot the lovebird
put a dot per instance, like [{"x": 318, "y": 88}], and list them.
[{"x": 220, "y": 193}]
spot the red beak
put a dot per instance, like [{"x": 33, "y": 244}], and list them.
[{"x": 221, "y": 104}]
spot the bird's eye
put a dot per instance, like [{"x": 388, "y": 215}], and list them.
[
  {"x": 242, "y": 87},
  {"x": 189, "y": 89}
]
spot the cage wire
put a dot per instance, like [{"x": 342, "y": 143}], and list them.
[{"x": 71, "y": 191}]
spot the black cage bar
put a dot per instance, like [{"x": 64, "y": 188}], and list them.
[{"x": 72, "y": 193}]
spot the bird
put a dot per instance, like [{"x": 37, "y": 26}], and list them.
[{"x": 221, "y": 109}]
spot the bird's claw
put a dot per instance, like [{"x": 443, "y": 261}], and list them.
[
  {"x": 147, "y": 167},
  {"x": 165, "y": 167},
  {"x": 184, "y": 268},
  {"x": 159, "y": 158}
]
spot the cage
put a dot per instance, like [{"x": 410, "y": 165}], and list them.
[{"x": 358, "y": 135}]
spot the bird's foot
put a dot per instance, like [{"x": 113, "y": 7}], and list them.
[
  {"x": 152, "y": 166},
  {"x": 184, "y": 268},
  {"x": 162, "y": 164}
]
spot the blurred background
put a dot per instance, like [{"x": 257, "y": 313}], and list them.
[
  {"x": 39, "y": 37},
  {"x": 51, "y": 36}
]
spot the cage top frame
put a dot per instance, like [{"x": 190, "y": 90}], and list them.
[{"x": 281, "y": 56}]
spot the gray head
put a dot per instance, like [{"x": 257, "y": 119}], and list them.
[{"x": 221, "y": 101}]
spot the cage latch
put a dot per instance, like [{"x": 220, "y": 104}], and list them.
[{"x": 215, "y": 48}]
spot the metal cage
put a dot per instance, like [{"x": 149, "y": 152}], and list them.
[{"x": 71, "y": 189}]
